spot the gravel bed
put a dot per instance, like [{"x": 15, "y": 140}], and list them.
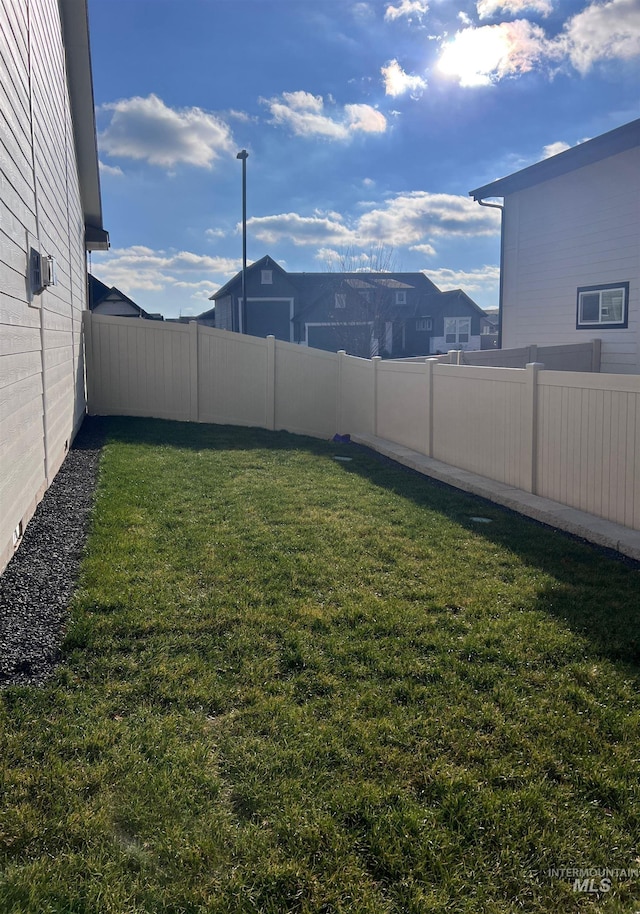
[{"x": 38, "y": 582}]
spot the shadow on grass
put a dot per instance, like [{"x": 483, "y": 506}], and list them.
[
  {"x": 597, "y": 593},
  {"x": 194, "y": 436}
]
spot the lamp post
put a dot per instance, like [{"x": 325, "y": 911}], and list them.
[{"x": 244, "y": 155}]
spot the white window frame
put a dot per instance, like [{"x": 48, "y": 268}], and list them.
[
  {"x": 401, "y": 298},
  {"x": 459, "y": 323},
  {"x": 424, "y": 323},
  {"x": 340, "y": 300},
  {"x": 267, "y": 277},
  {"x": 604, "y": 320}
]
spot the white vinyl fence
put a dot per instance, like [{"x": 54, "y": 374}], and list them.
[{"x": 573, "y": 437}]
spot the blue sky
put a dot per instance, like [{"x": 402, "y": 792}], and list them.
[{"x": 367, "y": 122}]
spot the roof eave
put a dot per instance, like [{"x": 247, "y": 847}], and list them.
[
  {"x": 601, "y": 147},
  {"x": 75, "y": 29}
]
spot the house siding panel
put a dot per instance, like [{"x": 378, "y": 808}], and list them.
[
  {"x": 576, "y": 230},
  {"x": 41, "y": 360}
]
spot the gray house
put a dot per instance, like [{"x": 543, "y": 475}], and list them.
[
  {"x": 391, "y": 314},
  {"x": 570, "y": 269},
  {"x": 48, "y": 224}
]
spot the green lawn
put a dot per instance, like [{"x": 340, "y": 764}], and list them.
[{"x": 297, "y": 684}]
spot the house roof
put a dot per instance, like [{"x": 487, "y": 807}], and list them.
[
  {"x": 99, "y": 292},
  {"x": 437, "y": 297},
  {"x": 265, "y": 263},
  {"x": 313, "y": 286},
  {"x": 75, "y": 30},
  {"x": 601, "y": 147}
]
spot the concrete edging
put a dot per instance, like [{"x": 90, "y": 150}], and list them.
[{"x": 587, "y": 526}]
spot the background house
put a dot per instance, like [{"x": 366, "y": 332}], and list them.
[
  {"x": 110, "y": 300},
  {"x": 570, "y": 266},
  {"x": 52, "y": 214},
  {"x": 392, "y": 314}
]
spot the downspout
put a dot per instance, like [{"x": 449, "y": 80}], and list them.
[{"x": 499, "y": 206}]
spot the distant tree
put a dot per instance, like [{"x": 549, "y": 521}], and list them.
[{"x": 363, "y": 301}]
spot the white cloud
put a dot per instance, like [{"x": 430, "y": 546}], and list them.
[
  {"x": 481, "y": 56},
  {"x": 488, "y": 8},
  {"x": 239, "y": 116},
  {"x": 553, "y": 149},
  {"x": 414, "y": 218},
  {"x": 607, "y": 31},
  {"x": 146, "y": 129},
  {"x": 484, "y": 279},
  {"x": 301, "y": 230},
  {"x": 411, "y": 219},
  {"x": 329, "y": 257},
  {"x": 113, "y": 170},
  {"x": 307, "y": 115},
  {"x": 142, "y": 269},
  {"x": 407, "y": 8},
  {"x": 397, "y": 82},
  {"x": 427, "y": 249}
]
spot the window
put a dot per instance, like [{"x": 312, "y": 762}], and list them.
[
  {"x": 424, "y": 323},
  {"x": 603, "y": 306},
  {"x": 341, "y": 300},
  {"x": 457, "y": 330},
  {"x": 401, "y": 298},
  {"x": 267, "y": 277}
]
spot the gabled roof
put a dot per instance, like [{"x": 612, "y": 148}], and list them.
[
  {"x": 99, "y": 292},
  {"x": 75, "y": 31},
  {"x": 265, "y": 263},
  {"x": 601, "y": 147},
  {"x": 313, "y": 286},
  {"x": 437, "y": 299}
]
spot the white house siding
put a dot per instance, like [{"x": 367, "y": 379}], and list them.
[
  {"x": 41, "y": 362},
  {"x": 580, "y": 229}
]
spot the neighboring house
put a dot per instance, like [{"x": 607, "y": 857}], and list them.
[
  {"x": 208, "y": 318},
  {"x": 489, "y": 332},
  {"x": 392, "y": 314},
  {"x": 51, "y": 214},
  {"x": 570, "y": 268},
  {"x": 109, "y": 300}
]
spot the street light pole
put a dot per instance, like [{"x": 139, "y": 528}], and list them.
[{"x": 244, "y": 155}]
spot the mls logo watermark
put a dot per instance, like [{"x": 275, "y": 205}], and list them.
[
  {"x": 592, "y": 886},
  {"x": 592, "y": 880}
]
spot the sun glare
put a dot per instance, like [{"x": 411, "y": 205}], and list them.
[{"x": 474, "y": 55}]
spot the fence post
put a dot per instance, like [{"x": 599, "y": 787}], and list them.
[
  {"x": 270, "y": 386},
  {"x": 428, "y": 367},
  {"x": 339, "y": 410},
  {"x": 596, "y": 352},
  {"x": 454, "y": 356},
  {"x": 375, "y": 361},
  {"x": 533, "y": 353},
  {"x": 530, "y": 457},
  {"x": 194, "y": 379}
]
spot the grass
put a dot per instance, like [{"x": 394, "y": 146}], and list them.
[{"x": 293, "y": 684}]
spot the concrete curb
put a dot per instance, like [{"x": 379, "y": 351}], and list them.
[{"x": 587, "y": 526}]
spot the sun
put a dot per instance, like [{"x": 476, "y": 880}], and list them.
[{"x": 474, "y": 55}]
